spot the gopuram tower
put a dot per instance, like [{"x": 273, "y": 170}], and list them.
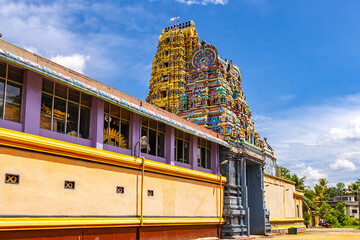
[
  {"x": 214, "y": 97},
  {"x": 193, "y": 81},
  {"x": 170, "y": 68}
]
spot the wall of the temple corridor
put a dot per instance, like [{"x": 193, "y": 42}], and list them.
[
  {"x": 284, "y": 203},
  {"x": 41, "y": 191},
  {"x": 148, "y": 233}
]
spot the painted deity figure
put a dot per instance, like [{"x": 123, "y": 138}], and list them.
[
  {"x": 211, "y": 100},
  {"x": 218, "y": 98},
  {"x": 199, "y": 101},
  {"x": 182, "y": 104}
]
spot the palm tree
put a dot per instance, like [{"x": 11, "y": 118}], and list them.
[
  {"x": 320, "y": 190},
  {"x": 323, "y": 183},
  {"x": 309, "y": 199},
  {"x": 299, "y": 182},
  {"x": 355, "y": 188},
  {"x": 357, "y": 181}
]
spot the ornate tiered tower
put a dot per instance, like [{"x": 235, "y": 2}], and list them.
[
  {"x": 214, "y": 97},
  {"x": 170, "y": 68},
  {"x": 192, "y": 80}
]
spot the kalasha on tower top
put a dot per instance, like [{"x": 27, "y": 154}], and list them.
[{"x": 170, "y": 68}]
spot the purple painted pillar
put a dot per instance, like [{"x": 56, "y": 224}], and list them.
[
  {"x": 215, "y": 157},
  {"x": 194, "y": 152},
  {"x": 170, "y": 144},
  {"x": 32, "y": 102},
  {"x": 135, "y": 133},
  {"x": 97, "y": 122}
]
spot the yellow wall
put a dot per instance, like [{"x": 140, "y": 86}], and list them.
[
  {"x": 281, "y": 200},
  {"x": 316, "y": 217},
  {"x": 41, "y": 189}
]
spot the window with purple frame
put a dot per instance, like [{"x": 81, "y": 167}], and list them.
[
  {"x": 182, "y": 145},
  {"x": 204, "y": 153},
  {"x": 65, "y": 110},
  {"x": 11, "y": 84},
  {"x": 155, "y": 133},
  {"x": 116, "y": 126}
]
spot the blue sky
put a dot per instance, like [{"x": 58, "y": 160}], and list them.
[{"x": 299, "y": 61}]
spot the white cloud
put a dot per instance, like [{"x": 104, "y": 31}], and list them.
[
  {"x": 350, "y": 132},
  {"x": 32, "y": 49},
  {"x": 75, "y": 62},
  {"x": 313, "y": 174},
  {"x": 222, "y": 2},
  {"x": 303, "y": 139},
  {"x": 286, "y": 98},
  {"x": 85, "y": 28},
  {"x": 203, "y": 2},
  {"x": 343, "y": 164},
  {"x": 298, "y": 166}
]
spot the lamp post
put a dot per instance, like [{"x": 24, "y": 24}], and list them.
[{"x": 141, "y": 140}]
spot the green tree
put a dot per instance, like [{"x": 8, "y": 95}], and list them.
[
  {"x": 357, "y": 181},
  {"x": 355, "y": 188},
  {"x": 308, "y": 199},
  {"x": 320, "y": 189},
  {"x": 306, "y": 219},
  {"x": 285, "y": 173},
  {"x": 340, "y": 186},
  {"x": 339, "y": 190},
  {"x": 323, "y": 182},
  {"x": 299, "y": 182},
  {"x": 340, "y": 206},
  {"x": 329, "y": 214}
]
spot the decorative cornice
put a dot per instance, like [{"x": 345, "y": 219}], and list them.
[
  {"x": 42, "y": 144},
  {"x": 298, "y": 194},
  {"x": 285, "y": 220},
  {"x": 15, "y": 224},
  {"x": 279, "y": 178}
]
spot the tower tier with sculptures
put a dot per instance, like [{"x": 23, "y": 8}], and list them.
[
  {"x": 214, "y": 97},
  {"x": 170, "y": 68}
]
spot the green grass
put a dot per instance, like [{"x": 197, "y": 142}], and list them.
[{"x": 350, "y": 226}]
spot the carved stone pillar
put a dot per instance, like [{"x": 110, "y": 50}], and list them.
[{"x": 233, "y": 213}]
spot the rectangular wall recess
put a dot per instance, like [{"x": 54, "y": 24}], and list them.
[
  {"x": 69, "y": 184},
  {"x": 120, "y": 190},
  {"x": 12, "y": 178}
]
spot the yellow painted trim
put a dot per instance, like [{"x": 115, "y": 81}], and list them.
[
  {"x": 142, "y": 192},
  {"x": 280, "y": 220},
  {"x": 13, "y": 224},
  {"x": 43, "y": 144},
  {"x": 287, "y": 226},
  {"x": 298, "y": 194},
  {"x": 279, "y": 178},
  {"x": 220, "y": 205}
]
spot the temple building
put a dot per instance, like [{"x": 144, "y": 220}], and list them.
[
  {"x": 81, "y": 160},
  {"x": 214, "y": 99}
]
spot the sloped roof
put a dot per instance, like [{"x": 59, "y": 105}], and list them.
[{"x": 92, "y": 87}]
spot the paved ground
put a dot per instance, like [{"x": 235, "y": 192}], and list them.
[{"x": 319, "y": 234}]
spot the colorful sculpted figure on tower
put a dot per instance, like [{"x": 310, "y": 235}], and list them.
[{"x": 170, "y": 68}]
